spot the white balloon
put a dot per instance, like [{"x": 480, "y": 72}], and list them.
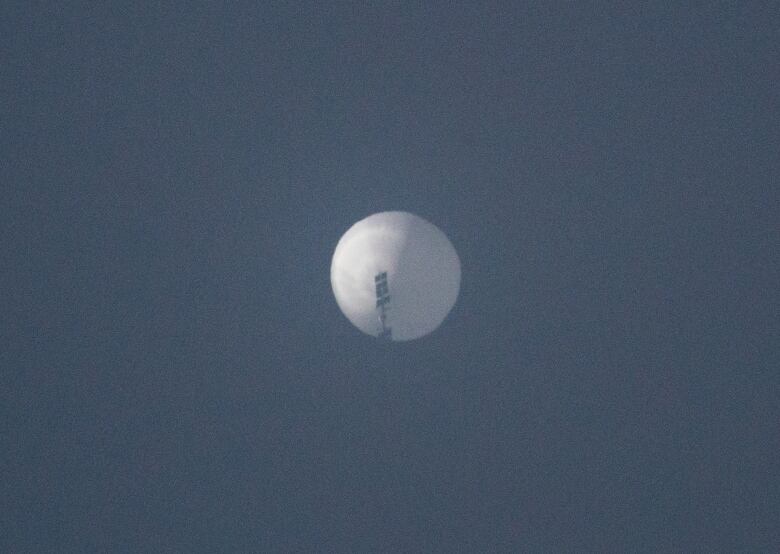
[{"x": 395, "y": 275}]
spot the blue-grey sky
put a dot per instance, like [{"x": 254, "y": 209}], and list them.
[{"x": 175, "y": 374}]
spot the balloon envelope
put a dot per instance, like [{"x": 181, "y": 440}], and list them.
[{"x": 395, "y": 275}]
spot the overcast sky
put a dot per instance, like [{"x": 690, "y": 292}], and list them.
[{"x": 175, "y": 374}]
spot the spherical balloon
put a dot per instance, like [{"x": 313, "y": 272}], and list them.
[{"x": 395, "y": 275}]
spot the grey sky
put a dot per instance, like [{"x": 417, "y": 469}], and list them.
[{"x": 175, "y": 374}]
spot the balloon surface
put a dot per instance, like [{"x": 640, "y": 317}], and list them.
[{"x": 395, "y": 275}]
